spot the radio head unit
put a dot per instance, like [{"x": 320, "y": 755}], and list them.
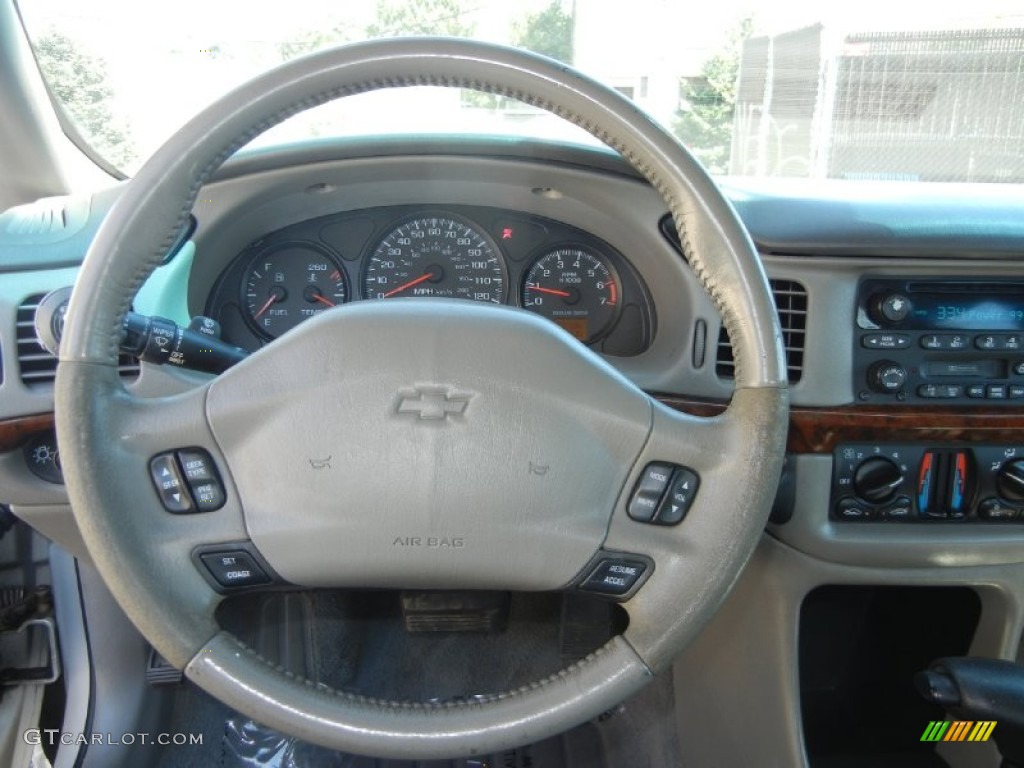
[{"x": 954, "y": 341}]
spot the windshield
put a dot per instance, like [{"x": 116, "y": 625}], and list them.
[{"x": 867, "y": 90}]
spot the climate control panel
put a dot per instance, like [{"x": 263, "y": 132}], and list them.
[{"x": 925, "y": 483}]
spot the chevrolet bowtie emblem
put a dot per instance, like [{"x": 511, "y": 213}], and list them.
[{"x": 432, "y": 404}]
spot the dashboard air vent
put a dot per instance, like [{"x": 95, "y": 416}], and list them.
[
  {"x": 39, "y": 218},
  {"x": 791, "y": 302},
  {"x": 37, "y": 366}
]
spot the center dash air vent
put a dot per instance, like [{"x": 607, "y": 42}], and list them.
[
  {"x": 38, "y": 367},
  {"x": 791, "y": 303}
]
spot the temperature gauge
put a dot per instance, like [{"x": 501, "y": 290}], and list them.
[
  {"x": 575, "y": 288},
  {"x": 289, "y": 283}
]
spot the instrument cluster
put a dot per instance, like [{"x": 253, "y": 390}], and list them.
[{"x": 568, "y": 276}]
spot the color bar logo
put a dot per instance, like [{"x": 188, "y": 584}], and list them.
[{"x": 958, "y": 730}]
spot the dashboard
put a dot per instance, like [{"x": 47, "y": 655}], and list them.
[
  {"x": 904, "y": 441},
  {"x": 562, "y": 273}
]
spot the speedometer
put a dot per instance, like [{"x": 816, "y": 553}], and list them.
[{"x": 440, "y": 255}]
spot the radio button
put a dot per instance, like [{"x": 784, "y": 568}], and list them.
[
  {"x": 885, "y": 341},
  {"x": 1012, "y": 342},
  {"x": 977, "y": 390},
  {"x": 945, "y": 341},
  {"x": 894, "y": 307},
  {"x": 887, "y": 377},
  {"x": 988, "y": 342},
  {"x": 1015, "y": 391},
  {"x": 996, "y": 392},
  {"x": 940, "y": 391}
]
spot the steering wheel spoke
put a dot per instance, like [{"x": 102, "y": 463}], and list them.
[
  {"x": 152, "y": 507},
  {"x": 711, "y": 504}
]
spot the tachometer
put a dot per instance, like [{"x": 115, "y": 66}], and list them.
[
  {"x": 289, "y": 283},
  {"x": 575, "y": 288},
  {"x": 439, "y": 255}
]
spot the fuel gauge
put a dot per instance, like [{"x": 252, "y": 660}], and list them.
[
  {"x": 289, "y": 283},
  {"x": 575, "y": 288}
]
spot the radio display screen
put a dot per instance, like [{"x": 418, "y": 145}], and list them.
[{"x": 950, "y": 312}]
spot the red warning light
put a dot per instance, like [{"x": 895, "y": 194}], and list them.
[{"x": 506, "y": 233}]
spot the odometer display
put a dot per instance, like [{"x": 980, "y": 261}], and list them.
[
  {"x": 575, "y": 288},
  {"x": 442, "y": 256}
]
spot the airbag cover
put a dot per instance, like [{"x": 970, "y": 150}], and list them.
[{"x": 428, "y": 443}]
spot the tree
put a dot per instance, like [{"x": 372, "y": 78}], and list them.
[
  {"x": 704, "y": 125},
  {"x": 315, "y": 40},
  {"x": 397, "y": 18},
  {"x": 548, "y": 32},
  {"x": 79, "y": 82}
]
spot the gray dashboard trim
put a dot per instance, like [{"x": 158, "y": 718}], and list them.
[{"x": 784, "y": 216}]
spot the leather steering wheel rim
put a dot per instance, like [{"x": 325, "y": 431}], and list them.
[{"x": 107, "y": 435}]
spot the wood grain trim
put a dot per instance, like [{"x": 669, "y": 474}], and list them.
[
  {"x": 811, "y": 430},
  {"x": 819, "y": 430},
  {"x": 14, "y": 432}
]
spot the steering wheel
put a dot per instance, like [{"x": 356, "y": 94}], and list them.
[{"x": 514, "y": 393}]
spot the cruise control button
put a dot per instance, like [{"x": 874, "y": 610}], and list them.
[
  {"x": 615, "y": 577},
  {"x": 648, "y": 492},
  {"x": 681, "y": 492},
  {"x": 235, "y": 568},
  {"x": 996, "y": 509},
  {"x": 169, "y": 486}
]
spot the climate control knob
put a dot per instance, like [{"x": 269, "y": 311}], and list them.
[
  {"x": 1010, "y": 480},
  {"x": 877, "y": 479},
  {"x": 887, "y": 376}
]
